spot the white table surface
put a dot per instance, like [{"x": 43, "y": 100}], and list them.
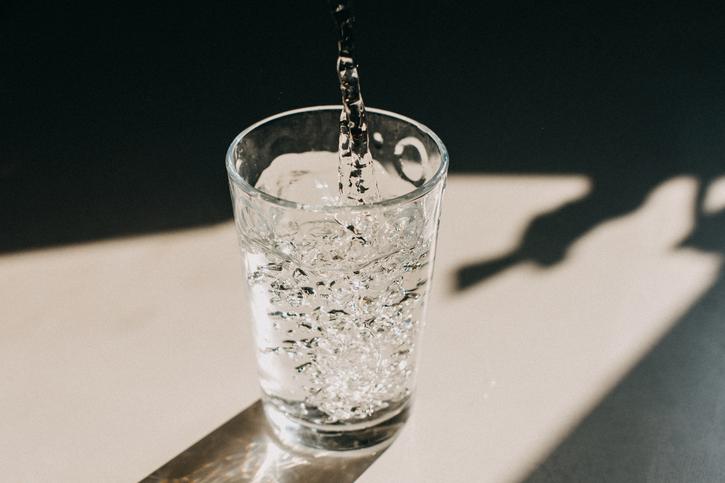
[{"x": 117, "y": 355}]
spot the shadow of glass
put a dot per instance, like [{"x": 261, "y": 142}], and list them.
[{"x": 245, "y": 449}]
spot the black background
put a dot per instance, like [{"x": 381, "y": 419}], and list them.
[{"x": 116, "y": 117}]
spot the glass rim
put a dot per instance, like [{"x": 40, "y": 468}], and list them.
[{"x": 418, "y": 192}]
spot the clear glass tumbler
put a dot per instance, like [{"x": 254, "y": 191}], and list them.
[{"x": 338, "y": 292}]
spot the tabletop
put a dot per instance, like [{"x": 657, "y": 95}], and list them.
[{"x": 595, "y": 360}]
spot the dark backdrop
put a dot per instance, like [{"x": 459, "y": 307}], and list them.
[{"x": 116, "y": 117}]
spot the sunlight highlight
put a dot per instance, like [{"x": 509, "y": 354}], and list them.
[{"x": 715, "y": 197}]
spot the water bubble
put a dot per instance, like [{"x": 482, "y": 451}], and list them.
[{"x": 342, "y": 316}]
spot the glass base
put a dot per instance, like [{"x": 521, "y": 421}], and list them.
[{"x": 371, "y": 436}]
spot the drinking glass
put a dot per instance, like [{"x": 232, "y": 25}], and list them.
[{"x": 337, "y": 292}]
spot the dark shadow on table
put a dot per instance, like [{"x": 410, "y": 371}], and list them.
[
  {"x": 665, "y": 421},
  {"x": 615, "y": 192},
  {"x": 244, "y": 449}
]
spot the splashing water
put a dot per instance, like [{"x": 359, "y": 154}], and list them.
[
  {"x": 357, "y": 181},
  {"x": 338, "y": 302}
]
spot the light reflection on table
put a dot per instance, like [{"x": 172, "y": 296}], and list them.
[{"x": 117, "y": 356}]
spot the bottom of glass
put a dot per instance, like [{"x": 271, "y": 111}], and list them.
[{"x": 372, "y": 436}]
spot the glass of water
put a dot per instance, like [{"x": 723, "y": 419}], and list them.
[{"x": 337, "y": 291}]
